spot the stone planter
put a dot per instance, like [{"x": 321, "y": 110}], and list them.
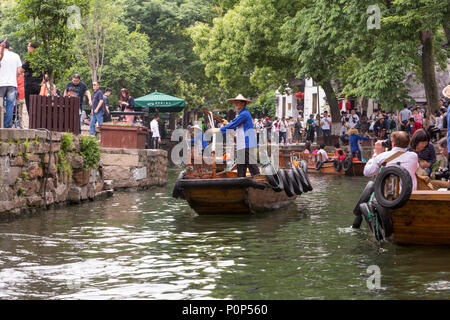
[{"x": 123, "y": 137}]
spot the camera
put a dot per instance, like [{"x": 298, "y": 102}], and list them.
[
  {"x": 443, "y": 174},
  {"x": 387, "y": 144}
]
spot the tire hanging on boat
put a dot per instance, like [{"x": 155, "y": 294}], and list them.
[
  {"x": 384, "y": 220},
  {"x": 365, "y": 197},
  {"x": 304, "y": 180},
  {"x": 347, "y": 164},
  {"x": 177, "y": 191},
  {"x": 288, "y": 187},
  {"x": 276, "y": 182},
  {"x": 296, "y": 181},
  {"x": 405, "y": 183},
  {"x": 337, "y": 165}
]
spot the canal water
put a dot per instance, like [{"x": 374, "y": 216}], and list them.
[{"x": 146, "y": 245}]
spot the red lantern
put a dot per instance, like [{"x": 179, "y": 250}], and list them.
[{"x": 300, "y": 95}]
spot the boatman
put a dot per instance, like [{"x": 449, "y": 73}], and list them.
[{"x": 245, "y": 137}]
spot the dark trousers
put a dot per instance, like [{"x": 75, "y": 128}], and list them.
[
  {"x": 326, "y": 137},
  {"x": 155, "y": 143},
  {"x": 246, "y": 158},
  {"x": 29, "y": 90}
]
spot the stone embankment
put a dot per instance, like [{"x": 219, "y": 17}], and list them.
[{"x": 38, "y": 170}]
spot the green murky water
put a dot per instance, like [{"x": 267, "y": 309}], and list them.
[{"x": 150, "y": 246}]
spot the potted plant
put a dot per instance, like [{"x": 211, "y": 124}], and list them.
[{"x": 123, "y": 135}]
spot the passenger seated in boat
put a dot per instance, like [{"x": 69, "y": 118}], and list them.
[
  {"x": 323, "y": 153},
  {"x": 339, "y": 154},
  {"x": 399, "y": 155},
  {"x": 422, "y": 145}
]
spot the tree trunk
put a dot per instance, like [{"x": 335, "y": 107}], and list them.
[
  {"x": 446, "y": 26},
  {"x": 332, "y": 101},
  {"x": 428, "y": 69}
]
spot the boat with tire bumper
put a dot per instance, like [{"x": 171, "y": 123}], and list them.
[
  {"x": 348, "y": 167},
  {"x": 395, "y": 213},
  {"x": 226, "y": 193}
]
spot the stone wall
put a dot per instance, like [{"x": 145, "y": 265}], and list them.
[
  {"x": 26, "y": 169},
  {"x": 139, "y": 169}
]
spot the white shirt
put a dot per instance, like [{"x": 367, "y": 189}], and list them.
[
  {"x": 353, "y": 120},
  {"x": 408, "y": 160},
  {"x": 8, "y": 70},
  {"x": 283, "y": 126},
  {"x": 440, "y": 122},
  {"x": 324, "y": 155},
  {"x": 154, "y": 127},
  {"x": 405, "y": 114},
  {"x": 326, "y": 123}
]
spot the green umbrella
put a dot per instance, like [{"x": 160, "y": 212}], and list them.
[{"x": 162, "y": 102}]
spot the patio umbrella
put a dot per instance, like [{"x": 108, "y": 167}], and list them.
[{"x": 162, "y": 102}]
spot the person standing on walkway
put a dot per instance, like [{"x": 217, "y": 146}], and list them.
[
  {"x": 81, "y": 90},
  {"x": 32, "y": 83},
  {"x": 310, "y": 128},
  {"x": 404, "y": 117},
  {"x": 10, "y": 68},
  {"x": 154, "y": 128},
  {"x": 126, "y": 103},
  {"x": 326, "y": 128},
  {"x": 245, "y": 137},
  {"x": 97, "y": 108}
]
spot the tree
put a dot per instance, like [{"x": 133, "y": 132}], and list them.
[
  {"x": 240, "y": 49},
  {"x": 48, "y": 23}
]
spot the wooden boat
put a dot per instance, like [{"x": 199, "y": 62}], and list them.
[
  {"x": 328, "y": 168},
  {"x": 228, "y": 194},
  {"x": 421, "y": 218},
  {"x": 424, "y": 219}
]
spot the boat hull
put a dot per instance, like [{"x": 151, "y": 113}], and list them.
[
  {"x": 423, "y": 220},
  {"x": 357, "y": 169},
  {"x": 234, "y": 196}
]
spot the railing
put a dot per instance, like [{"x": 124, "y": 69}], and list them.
[{"x": 55, "y": 114}]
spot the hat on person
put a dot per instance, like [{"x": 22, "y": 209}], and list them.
[
  {"x": 446, "y": 91},
  {"x": 240, "y": 97},
  {"x": 352, "y": 131},
  {"x": 267, "y": 118}
]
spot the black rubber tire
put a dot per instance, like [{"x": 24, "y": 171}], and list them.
[
  {"x": 276, "y": 182},
  {"x": 306, "y": 183},
  {"x": 319, "y": 165},
  {"x": 337, "y": 165},
  {"x": 365, "y": 197},
  {"x": 357, "y": 222},
  {"x": 296, "y": 181},
  {"x": 406, "y": 182},
  {"x": 384, "y": 220},
  {"x": 288, "y": 187},
  {"x": 364, "y": 207},
  {"x": 177, "y": 191},
  {"x": 347, "y": 164},
  {"x": 304, "y": 166}
]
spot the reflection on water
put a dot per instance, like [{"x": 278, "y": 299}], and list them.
[{"x": 149, "y": 246}]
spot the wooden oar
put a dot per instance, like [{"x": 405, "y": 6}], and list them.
[{"x": 214, "y": 115}]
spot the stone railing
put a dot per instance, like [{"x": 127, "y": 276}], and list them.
[{"x": 32, "y": 177}]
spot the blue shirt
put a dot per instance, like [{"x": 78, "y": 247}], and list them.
[
  {"x": 199, "y": 136},
  {"x": 354, "y": 139},
  {"x": 448, "y": 131},
  {"x": 98, "y": 96},
  {"x": 243, "y": 124}
]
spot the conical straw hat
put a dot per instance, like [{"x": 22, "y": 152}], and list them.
[{"x": 240, "y": 97}]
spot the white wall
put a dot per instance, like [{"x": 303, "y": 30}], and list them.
[
  {"x": 310, "y": 90},
  {"x": 291, "y": 105}
]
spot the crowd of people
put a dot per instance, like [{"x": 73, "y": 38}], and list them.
[{"x": 18, "y": 82}]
